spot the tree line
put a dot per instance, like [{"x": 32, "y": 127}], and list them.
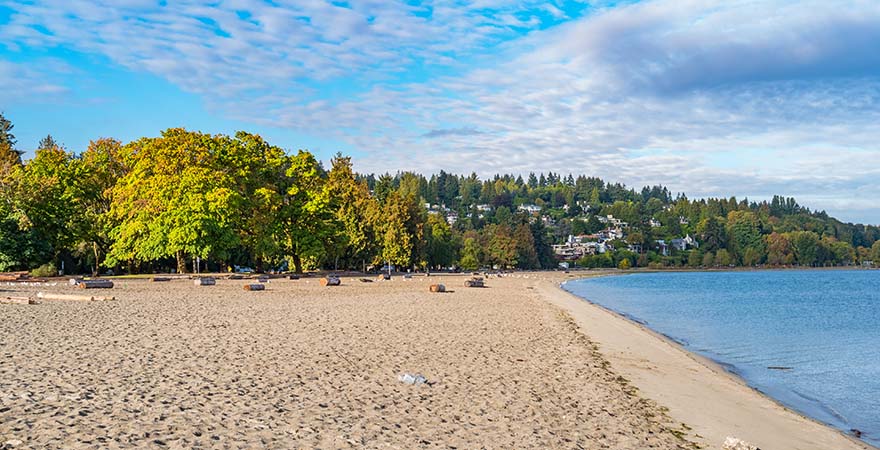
[{"x": 187, "y": 197}]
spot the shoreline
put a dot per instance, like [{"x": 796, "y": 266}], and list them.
[{"x": 676, "y": 378}]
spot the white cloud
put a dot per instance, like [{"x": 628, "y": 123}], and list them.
[{"x": 711, "y": 98}]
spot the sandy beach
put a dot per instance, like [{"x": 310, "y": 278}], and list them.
[{"x": 519, "y": 364}]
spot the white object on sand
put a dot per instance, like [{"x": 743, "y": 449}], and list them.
[
  {"x": 732, "y": 443},
  {"x": 409, "y": 378}
]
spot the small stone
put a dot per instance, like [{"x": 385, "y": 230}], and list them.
[{"x": 12, "y": 443}]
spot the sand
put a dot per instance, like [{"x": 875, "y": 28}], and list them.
[{"x": 172, "y": 365}]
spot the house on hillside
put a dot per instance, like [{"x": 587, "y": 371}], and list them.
[
  {"x": 654, "y": 223},
  {"x": 531, "y": 209},
  {"x": 682, "y": 244}
]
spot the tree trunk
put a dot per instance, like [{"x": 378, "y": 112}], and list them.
[
  {"x": 297, "y": 264},
  {"x": 181, "y": 262},
  {"x": 95, "y": 248}
]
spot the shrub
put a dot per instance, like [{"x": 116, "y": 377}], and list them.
[{"x": 46, "y": 270}]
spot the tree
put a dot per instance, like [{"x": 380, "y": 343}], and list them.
[
  {"x": 694, "y": 259},
  {"x": 470, "y": 254},
  {"x": 305, "y": 219},
  {"x": 102, "y": 166},
  {"x": 8, "y": 154},
  {"x": 46, "y": 194},
  {"x": 527, "y": 255},
  {"x": 708, "y": 259},
  {"x": 356, "y": 212},
  {"x": 440, "y": 250},
  {"x": 712, "y": 234},
  {"x": 178, "y": 198},
  {"x": 722, "y": 258},
  {"x": 779, "y": 249},
  {"x": 397, "y": 242},
  {"x": 875, "y": 252},
  {"x": 502, "y": 249},
  {"x": 744, "y": 231},
  {"x": 806, "y": 247},
  {"x": 624, "y": 264}
]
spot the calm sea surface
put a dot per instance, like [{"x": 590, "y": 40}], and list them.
[{"x": 824, "y": 325}]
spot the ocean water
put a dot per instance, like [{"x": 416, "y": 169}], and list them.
[{"x": 823, "y": 325}]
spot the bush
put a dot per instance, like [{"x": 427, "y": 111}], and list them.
[{"x": 46, "y": 270}]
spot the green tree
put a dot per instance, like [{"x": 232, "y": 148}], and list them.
[
  {"x": 711, "y": 234},
  {"x": 722, "y": 258},
  {"x": 527, "y": 255},
  {"x": 357, "y": 213},
  {"x": 440, "y": 247},
  {"x": 875, "y": 252},
  {"x": 177, "y": 199},
  {"x": 805, "y": 245},
  {"x": 708, "y": 259},
  {"x": 470, "y": 254},
  {"x": 744, "y": 231},
  {"x": 694, "y": 258}
]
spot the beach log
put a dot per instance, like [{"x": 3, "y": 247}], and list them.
[
  {"x": 263, "y": 278},
  {"x": 18, "y": 300},
  {"x": 474, "y": 282},
  {"x": 75, "y": 298},
  {"x": 95, "y": 284},
  {"x": 330, "y": 281},
  {"x": 384, "y": 276},
  {"x": 293, "y": 277},
  {"x": 205, "y": 281},
  {"x": 366, "y": 280},
  {"x": 438, "y": 288},
  {"x": 159, "y": 279},
  {"x": 255, "y": 287}
]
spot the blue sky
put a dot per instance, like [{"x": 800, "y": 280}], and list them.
[{"x": 712, "y": 98}]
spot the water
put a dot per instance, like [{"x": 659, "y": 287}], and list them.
[{"x": 824, "y": 325}]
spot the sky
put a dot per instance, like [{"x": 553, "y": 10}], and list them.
[{"x": 724, "y": 98}]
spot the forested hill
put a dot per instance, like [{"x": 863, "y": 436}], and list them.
[{"x": 159, "y": 203}]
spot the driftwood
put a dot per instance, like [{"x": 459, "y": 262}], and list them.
[
  {"x": 95, "y": 284},
  {"x": 235, "y": 277},
  {"x": 255, "y": 287},
  {"x": 74, "y": 281},
  {"x": 438, "y": 288},
  {"x": 75, "y": 298},
  {"x": 366, "y": 280},
  {"x": 330, "y": 281},
  {"x": 262, "y": 278},
  {"x": 384, "y": 276},
  {"x": 293, "y": 277},
  {"x": 14, "y": 276},
  {"x": 205, "y": 281},
  {"x": 407, "y": 276},
  {"x": 475, "y": 282},
  {"x": 158, "y": 279},
  {"x": 18, "y": 300}
]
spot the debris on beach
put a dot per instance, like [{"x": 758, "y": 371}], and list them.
[
  {"x": 438, "y": 288},
  {"x": 330, "y": 281},
  {"x": 95, "y": 284},
  {"x": 255, "y": 287},
  {"x": 205, "y": 281},
  {"x": 366, "y": 280},
  {"x": 414, "y": 379},
  {"x": 75, "y": 298},
  {"x": 18, "y": 301},
  {"x": 475, "y": 282},
  {"x": 732, "y": 443}
]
